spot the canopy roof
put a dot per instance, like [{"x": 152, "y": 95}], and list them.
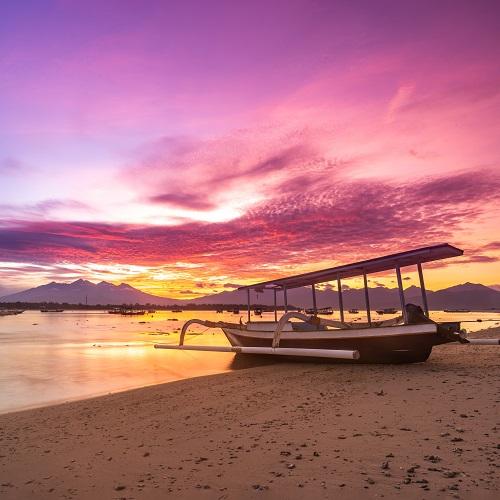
[{"x": 409, "y": 258}]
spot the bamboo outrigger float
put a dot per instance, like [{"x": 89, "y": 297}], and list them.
[{"x": 408, "y": 338}]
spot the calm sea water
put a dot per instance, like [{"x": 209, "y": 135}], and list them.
[{"x": 54, "y": 357}]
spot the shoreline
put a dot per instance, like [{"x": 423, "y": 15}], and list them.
[
  {"x": 58, "y": 402},
  {"x": 281, "y": 430}
]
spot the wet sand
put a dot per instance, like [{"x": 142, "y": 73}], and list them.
[{"x": 283, "y": 430}]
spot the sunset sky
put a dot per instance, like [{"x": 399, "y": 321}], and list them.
[{"x": 185, "y": 147}]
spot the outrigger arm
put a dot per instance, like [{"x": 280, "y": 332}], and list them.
[{"x": 283, "y": 351}]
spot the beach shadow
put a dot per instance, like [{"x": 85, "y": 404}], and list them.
[{"x": 242, "y": 361}]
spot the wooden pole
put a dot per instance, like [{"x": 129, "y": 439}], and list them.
[
  {"x": 275, "y": 307},
  {"x": 248, "y": 304},
  {"x": 422, "y": 289},
  {"x": 285, "y": 298},
  {"x": 315, "y": 308},
  {"x": 341, "y": 300},
  {"x": 401, "y": 293},
  {"x": 367, "y": 300}
]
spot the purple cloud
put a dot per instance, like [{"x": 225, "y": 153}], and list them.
[{"x": 345, "y": 221}]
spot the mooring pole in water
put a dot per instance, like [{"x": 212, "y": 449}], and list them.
[
  {"x": 341, "y": 300},
  {"x": 248, "y": 304},
  {"x": 275, "y": 307},
  {"x": 315, "y": 308},
  {"x": 401, "y": 293},
  {"x": 367, "y": 300},
  {"x": 285, "y": 298},
  {"x": 422, "y": 289}
]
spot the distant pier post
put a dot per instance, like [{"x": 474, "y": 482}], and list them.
[
  {"x": 341, "y": 300},
  {"x": 367, "y": 300}
]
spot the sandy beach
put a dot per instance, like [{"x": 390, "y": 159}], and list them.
[{"x": 281, "y": 430}]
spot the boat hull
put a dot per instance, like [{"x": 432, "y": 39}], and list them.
[{"x": 401, "y": 344}]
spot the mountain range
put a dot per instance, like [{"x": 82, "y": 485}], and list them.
[{"x": 464, "y": 296}]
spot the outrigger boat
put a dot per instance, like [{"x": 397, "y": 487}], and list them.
[{"x": 405, "y": 339}]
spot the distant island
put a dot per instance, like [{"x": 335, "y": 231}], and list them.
[{"x": 83, "y": 294}]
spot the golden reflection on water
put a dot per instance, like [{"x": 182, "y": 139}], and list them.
[{"x": 54, "y": 357}]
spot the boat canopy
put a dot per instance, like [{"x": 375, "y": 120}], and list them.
[{"x": 386, "y": 263}]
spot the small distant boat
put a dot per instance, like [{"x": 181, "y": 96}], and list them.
[
  {"x": 151, "y": 311},
  {"x": 176, "y": 310},
  {"x": 257, "y": 311},
  {"x": 116, "y": 310},
  {"x": 325, "y": 311},
  {"x": 51, "y": 310},
  {"x": 353, "y": 311},
  {"x": 322, "y": 310},
  {"x": 387, "y": 310},
  {"x": 10, "y": 312},
  {"x": 132, "y": 312},
  {"x": 219, "y": 310},
  {"x": 457, "y": 310}
]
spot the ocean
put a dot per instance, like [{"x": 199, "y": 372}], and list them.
[{"x": 49, "y": 358}]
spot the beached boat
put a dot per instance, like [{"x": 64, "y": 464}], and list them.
[{"x": 408, "y": 338}]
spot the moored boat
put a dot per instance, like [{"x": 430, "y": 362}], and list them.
[
  {"x": 387, "y": 310},
  {"x": 322, "y": 310},
  {"x": 132, "y": 312},
  {"x": 10, "y": 312}
]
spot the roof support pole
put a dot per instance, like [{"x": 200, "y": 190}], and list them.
[
  {"x": 341, "y": 300},
  {"x": 401, "y": 293},
  {"x": 367, "y": 300},
  {"x": 285, "y": 298},
  {"x": 248, "y": 304},
  {"x": 275, "y": 307},
  {"x": 315, "y": 307},
  {"x": 422, "y": 289}
]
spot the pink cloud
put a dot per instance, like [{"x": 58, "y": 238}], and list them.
[{"x": 348, "y": 220}]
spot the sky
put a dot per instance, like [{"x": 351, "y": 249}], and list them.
[{"x": 186, "y": 147}]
